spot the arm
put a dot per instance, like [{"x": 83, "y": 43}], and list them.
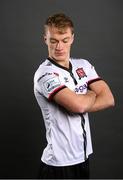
[
  {"x": 104, "y": 97},
  {"x": 77, "y": 103}
]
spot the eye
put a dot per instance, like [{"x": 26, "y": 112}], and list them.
[
  {"x": 65, "y": 40},
  {"x": 53, "y": 41}
]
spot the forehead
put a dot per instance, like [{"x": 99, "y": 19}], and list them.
[{"x": 54, "y": 32}]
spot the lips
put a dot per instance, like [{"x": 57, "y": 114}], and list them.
[{"x": 59, "y": 54}]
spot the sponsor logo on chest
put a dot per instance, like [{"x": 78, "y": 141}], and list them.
[{"x": 81, "y": 88}]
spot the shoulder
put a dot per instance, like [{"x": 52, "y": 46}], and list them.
[
  {"x": 41, "y": 70},
  {"x": 45, "y": 71},
  {"x": 80, "y": 62}
]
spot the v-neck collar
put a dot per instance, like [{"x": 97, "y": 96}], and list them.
[
  {"x": 58, "y": 65},
  {"x": 62, "y": 67}
]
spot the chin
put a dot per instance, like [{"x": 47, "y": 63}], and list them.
[{"x": 60, "y": 58}]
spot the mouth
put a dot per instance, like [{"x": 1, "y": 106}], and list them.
[{"x": 59, "y": 53}]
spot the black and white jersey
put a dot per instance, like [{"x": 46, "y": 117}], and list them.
[{"x": 68, "y": 134}]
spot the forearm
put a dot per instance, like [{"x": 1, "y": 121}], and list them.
[
  {"x": 76, "y": 103},
  {"x": 87, "y": 100}
]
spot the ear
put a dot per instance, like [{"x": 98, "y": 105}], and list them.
[
  {"x": 45, "y": 39},
  {"x": 72, "y": 38}
]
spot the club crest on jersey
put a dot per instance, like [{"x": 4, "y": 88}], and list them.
[{"x": 81, "y": 73}]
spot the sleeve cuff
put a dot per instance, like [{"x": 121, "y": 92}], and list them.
[
  {"x": 56, "y": 91},
  {"x": 93, "y": 80}
]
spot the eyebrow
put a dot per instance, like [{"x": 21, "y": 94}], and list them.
[{"x": 62, "y": 39}]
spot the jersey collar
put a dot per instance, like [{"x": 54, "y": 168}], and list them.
[
  {"x": 58, "y": 65},
  {"x": 67, "y": 69}
]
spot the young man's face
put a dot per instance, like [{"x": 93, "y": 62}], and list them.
[{"x": 59, "y": 44}]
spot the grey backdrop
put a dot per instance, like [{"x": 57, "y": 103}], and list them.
[{"x": 98, "y": 38}]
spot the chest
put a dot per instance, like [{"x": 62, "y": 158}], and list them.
[{"x": 76, "y": 80}]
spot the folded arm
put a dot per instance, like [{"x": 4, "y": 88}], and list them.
[
  {"x": 104, "y": 96},
  {"x": 98, "y": 98},
  {"x": 77, "y": 103}
]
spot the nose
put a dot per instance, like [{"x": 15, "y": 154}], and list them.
[{"x": 59, "y": 46}]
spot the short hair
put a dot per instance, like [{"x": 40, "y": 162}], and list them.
[{"x": 60, "y": 21}]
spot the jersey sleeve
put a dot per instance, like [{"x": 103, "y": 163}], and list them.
[
  {"x": 49, "y": 83},
  {"x": 92, "y": 74}
]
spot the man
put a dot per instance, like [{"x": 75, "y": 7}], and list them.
[{"x": 66, "y": 90}]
